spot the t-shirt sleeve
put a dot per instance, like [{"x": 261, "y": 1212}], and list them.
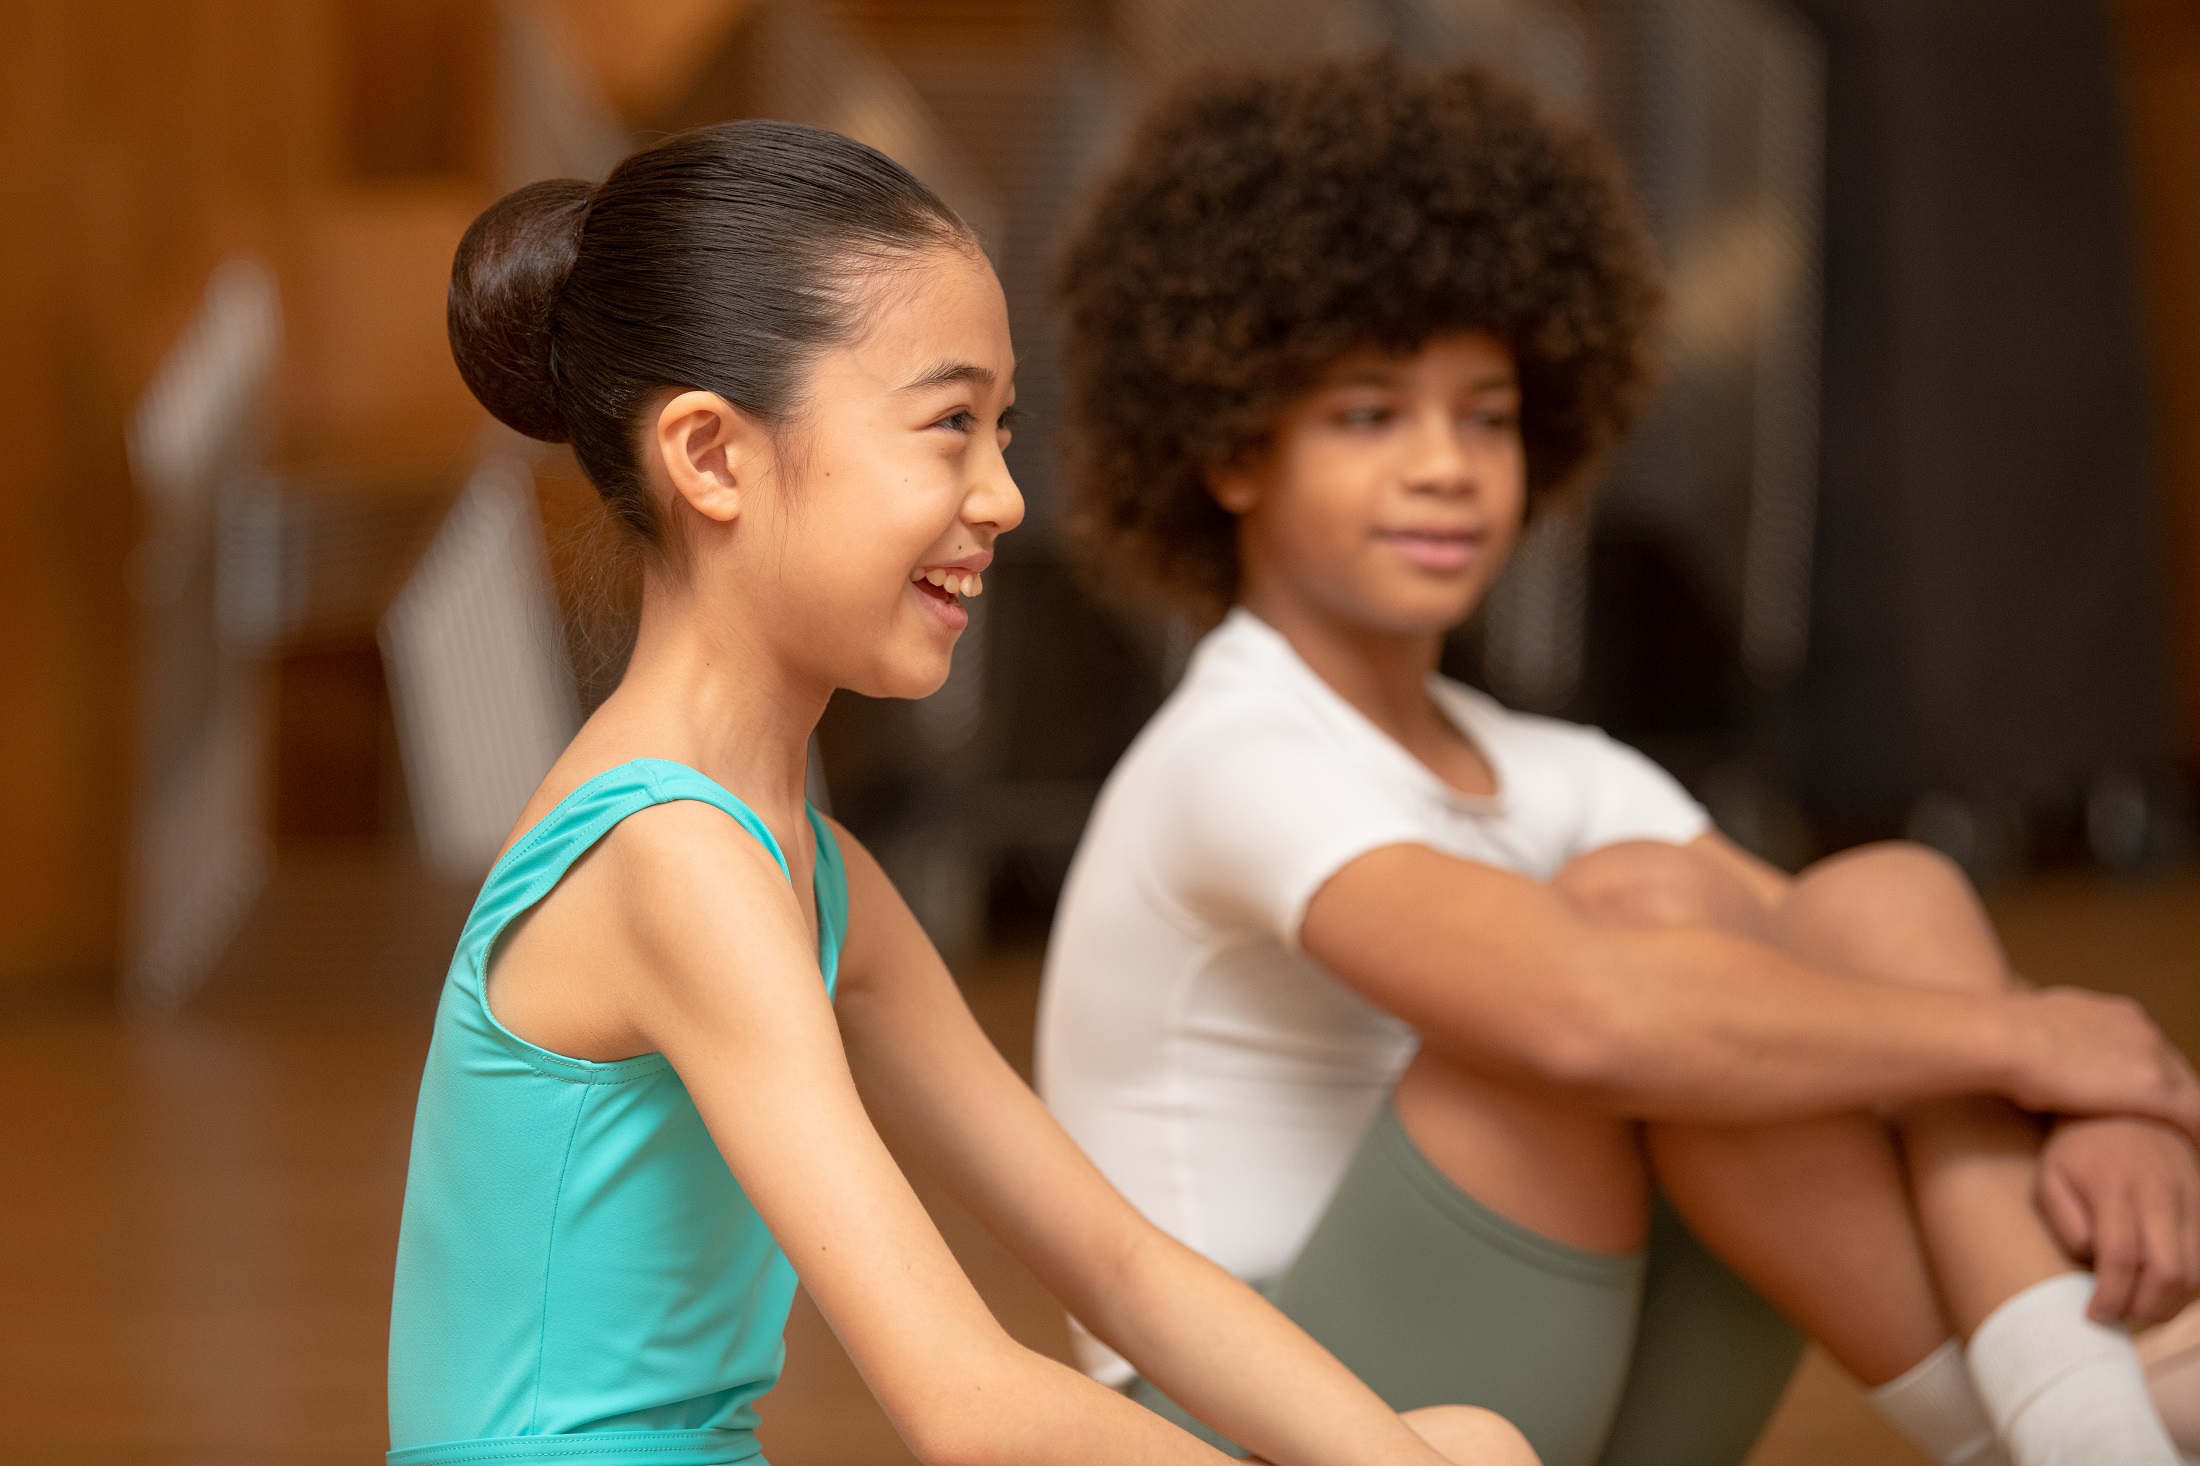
[
  {"x": 1255, "y": 818},
  {"x": 1631, "y": 798}
]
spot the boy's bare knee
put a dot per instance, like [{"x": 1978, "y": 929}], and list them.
[
  {"x": 1884, "y": 867},
  {"x": 1470, "y": 1436},
  {"x": 1863, "y": 909},
  {"x": 1648, "y": 883},
  {"x": 1883, "y": 882}
]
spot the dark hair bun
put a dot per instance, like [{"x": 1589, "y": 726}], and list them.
[
  {"x": 504, "y": 290},
  {"x": 709, "y": 263}
]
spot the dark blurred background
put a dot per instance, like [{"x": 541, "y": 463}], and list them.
[{"x": 1909, "y": 544}]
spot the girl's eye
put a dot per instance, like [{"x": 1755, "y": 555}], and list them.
[
  {"x": 1495, "y": 420},
  {"x": 961, "y": 420},
  {"x": 1364, "y": 417}
]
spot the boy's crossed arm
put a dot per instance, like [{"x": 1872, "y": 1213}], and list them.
[{"x": 1646, "y": 981}]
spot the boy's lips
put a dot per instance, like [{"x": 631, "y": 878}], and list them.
[{"x": 1433, "y": 549}]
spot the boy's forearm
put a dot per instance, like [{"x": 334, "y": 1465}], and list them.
[
  {"x": 1501, "y": 975},
  {"x": 1701, "y": 1025}
]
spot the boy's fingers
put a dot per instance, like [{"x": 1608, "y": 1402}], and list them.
[
  {"x": 2116, "y": 1257},
  {"x": 2180, "y": 1277},
  {"x": 2161, "y": 1285},
  {"x": 2188, "y": 1233},
  {"x": 2066, "y": 1213}
]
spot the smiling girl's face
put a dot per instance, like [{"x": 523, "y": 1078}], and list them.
[
  {"x": 854, "y": 535},
  {"x": 1390, "y": 493}
]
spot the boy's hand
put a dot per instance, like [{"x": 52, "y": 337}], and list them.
[
  {"x": 2126, "y": 1194},
  {"x": 2089, "y": 1053}
]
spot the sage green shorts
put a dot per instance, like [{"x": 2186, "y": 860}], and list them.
[{"x": 1656, "y": 1358}]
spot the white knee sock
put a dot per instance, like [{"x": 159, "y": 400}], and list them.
[
  {"x": 2063, "y": 1390},
  {"x": 1935, "y": 1406}
]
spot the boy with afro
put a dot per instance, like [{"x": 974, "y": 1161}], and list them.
[{"x": 1459, "y": 1031}]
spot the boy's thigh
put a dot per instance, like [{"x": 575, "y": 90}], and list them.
[
  {"x": 1647, "y": 1359},
  {"x": 1711, "y": 1360},
  {"x": 1434, "y": 1299}
]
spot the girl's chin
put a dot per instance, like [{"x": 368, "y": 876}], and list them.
[{"x": 907, "y": 672}]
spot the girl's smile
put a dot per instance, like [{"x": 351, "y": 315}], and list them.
[{"x": 941, "y": 587}]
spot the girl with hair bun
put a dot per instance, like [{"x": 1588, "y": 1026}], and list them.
[{"x": 683, "y": 993}]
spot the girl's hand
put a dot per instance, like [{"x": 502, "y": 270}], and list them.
[
  {"x": 2125, "y": 1193},
  {"x": 1465, "y": 1436}
]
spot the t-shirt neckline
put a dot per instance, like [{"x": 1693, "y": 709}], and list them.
[{"x": 1453, "y": 700}]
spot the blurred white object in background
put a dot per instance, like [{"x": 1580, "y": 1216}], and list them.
[
  {"x": 477, "y": 670},
  {"x": 198, "y": 854}
]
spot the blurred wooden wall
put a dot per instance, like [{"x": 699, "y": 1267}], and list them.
[
  {"x": 344, "y": 142},
  {"x": 2161, "y": 54},
  {"x": 348, "y": 142}
]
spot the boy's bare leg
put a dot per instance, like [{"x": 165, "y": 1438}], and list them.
[
  {"x": 1561, "y": 1170},
  {"x": 1815, "y": 1214},
  {"x": 1898, "y": 913},
  {"x": 2059, "y": 1387}
]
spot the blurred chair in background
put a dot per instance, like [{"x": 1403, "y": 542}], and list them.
[
  {"x": 478, "y": 675},
  {"x": 197, "y": 446}
]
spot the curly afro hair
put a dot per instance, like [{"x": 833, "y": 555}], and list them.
[{"x": 1267, "y": 223}]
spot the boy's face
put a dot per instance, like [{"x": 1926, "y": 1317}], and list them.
[{"x": 1391, "y": 493}]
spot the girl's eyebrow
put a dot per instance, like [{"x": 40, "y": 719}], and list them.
[{"x": 953, "y": 373}]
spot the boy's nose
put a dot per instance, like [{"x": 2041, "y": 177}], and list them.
[{"x": 1440, "y": 463}]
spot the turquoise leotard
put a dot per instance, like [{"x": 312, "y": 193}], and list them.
[{"x": 579, "y": 1277}]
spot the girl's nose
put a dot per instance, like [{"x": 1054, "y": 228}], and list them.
[{"x": 995, "y": 501}]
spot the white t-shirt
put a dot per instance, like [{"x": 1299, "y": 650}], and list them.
[{"x": 1214, "y": 1072}]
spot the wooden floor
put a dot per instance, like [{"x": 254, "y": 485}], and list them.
[{"x": 195, "y": 1246}]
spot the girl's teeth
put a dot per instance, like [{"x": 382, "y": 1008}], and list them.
[{"x": 955, "y": 582}]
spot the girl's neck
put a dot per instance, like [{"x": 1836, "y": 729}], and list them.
[{"x": 719, "y": 699}]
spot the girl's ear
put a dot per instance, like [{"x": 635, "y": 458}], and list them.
[
  {"x": 711, "y": 451},
  {"x": 1236, "y": 487}
]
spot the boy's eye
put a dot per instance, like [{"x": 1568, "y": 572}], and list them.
[
  {"x": 1495, "y": 419},
  {"x": 1365, "y": 417}
]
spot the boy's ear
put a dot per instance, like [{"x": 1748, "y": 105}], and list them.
[
  {"x": 1235, "y": 486},
  {"x": 711, "y": 451}
]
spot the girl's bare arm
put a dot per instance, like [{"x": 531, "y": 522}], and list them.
[
  {"x": 716, "y": 970},
  {"x": 722, "y": 978},
  {"x": 1201, "y": 1336}
]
